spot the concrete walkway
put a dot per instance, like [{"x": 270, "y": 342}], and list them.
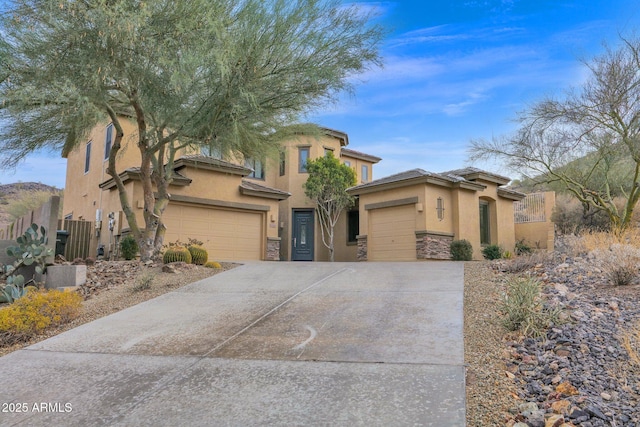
[{"x": 262, "y": 344}]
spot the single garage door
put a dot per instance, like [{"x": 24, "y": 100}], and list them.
[
  {"x": 392, "y": 234},
  {"x": 227, "y": 234}
]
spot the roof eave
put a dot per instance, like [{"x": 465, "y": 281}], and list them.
[
  {"x": 264, "y": 194},
  {"x": 235, "y": 170},
  {"x": 511, "y": 195}
]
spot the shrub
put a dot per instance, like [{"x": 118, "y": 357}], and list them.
[
  {"x": 461, "y": 250},
  {"x": 507, "y": 255},
  {"x": 35, "y": 312},
  {"x": 619, "y": 263},
  {"x": 492, "y": 252},
  {"x": 199, "y": 255},
  {"x": 631, "y": 342},
  {"x": 144, "y": 282},
  {"x": 212, "y": 264},
  {"x": 523, "y": 308},
  {"x": 176, "y": 254},
  {"x": 522, "y": 248},
  {"x": 528, "y": 262},
  {"x": 128, "y": 247}
]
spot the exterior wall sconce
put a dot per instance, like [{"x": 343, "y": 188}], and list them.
[{"x": 440, "y": 208}]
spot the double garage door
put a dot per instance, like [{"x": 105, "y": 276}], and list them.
[
  {"x": 392, "y": 234},
  {"x": 228, "y": 235}
]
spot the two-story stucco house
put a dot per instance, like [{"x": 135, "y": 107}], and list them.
[
  {"x": 257, "y": 210},
  {"x": 242, "y": 210}
]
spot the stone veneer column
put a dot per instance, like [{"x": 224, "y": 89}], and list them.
[
  {"x": 433, "y": 245},
  {"x": 362, "y": 247},
  {"x": 273, "y": 249}
]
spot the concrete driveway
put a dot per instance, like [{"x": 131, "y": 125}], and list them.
[{"x": 262, "y": 344}]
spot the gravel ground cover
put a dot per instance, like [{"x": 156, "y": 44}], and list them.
[{"x": 113, "y": 286}]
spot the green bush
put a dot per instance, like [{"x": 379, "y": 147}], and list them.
[
  {"x": 128, "y": 247},
  {"x": 492, "y": 252},
  {"x": 523, "y": 308},
  {"x": 522, "y": 248},
  {"x": 461, "y": 250}
]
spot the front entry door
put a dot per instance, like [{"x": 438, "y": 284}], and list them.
[{"x": 302, "y": 235}]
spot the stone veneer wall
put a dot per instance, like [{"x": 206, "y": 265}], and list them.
[
  {"x": 362, "y": 248},
  {"x": 273, "y": 249},
  {"x": 433, "y": 245}
]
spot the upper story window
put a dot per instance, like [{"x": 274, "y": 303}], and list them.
[
  {"x": 282, "y": 162},
  {"x": 210, "y": 151},
  {"x": 347, "y": 163},
  {"x": 365, "y": 173},
  {"x": 107, "y": 141},
  {"x": 257, "y": 166},
  {"x": 87, "y": 157},
  {"x": 303, "y": 156},
  {"x": 328, "y": 151}
]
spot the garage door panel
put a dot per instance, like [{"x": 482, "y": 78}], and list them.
[
  {"x": 392, "y": 234},
  {"x": 227, "y": 234}
]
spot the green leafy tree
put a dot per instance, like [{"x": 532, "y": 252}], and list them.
[
  {"x": 587, "y": 142},
  {"x": 232, "y": 75},
  {"x": 326, "y": 186}
]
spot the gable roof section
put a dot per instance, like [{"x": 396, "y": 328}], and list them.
[
  {"x": 338, "y": 134},
  {"x": 414, "y": 176},
  {"x": 250, "y": 188},
  {"x": 473, "y": 174},
  {"x": 359, "y": 155},
  {"x": 210, "y": 163},
  {"x": 131, "y": 174}
]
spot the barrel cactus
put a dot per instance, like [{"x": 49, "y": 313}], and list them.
[
  {"x": 199, "y": 255},
  {"x": 212, "y": 264},
  {"x": 175, "y": 254}
]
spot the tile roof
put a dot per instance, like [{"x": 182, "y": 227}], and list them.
[
  {"x": 211, "y": 161},
  {"x": 468, "y": 171},
  {"x": 253, "y": 186},
  {"x": 359, "y": 154}
]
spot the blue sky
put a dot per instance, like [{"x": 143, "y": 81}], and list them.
[{"x": 454, "y": 70}]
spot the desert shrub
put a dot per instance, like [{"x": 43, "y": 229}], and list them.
[
  {"x": 78, "y": 261},
  {"x": 522, "y": 248},
  {"x": 527, "y": 262},
  {"x": 523, "y": 308},
  {"x": 35, "y": 312},
  {"x": 461, "y": 250},
  {"x": 89, "y": 261},
  {"x": 631, "y": 342},
  {"x": 144, "y": 281},
  {"x": 28, "y": 200},
  {"x": 128, "y": 247},
  {"x": 572, "y": 217},
  {"x": 619, "y": 263},
  {"x": 176, "y": 254},
  {"x": 212, "y": 264},
  {"x": 491, "y": 252},
  {"x": 199, "y": 255}
]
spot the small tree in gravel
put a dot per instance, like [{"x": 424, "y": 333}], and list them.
[{"x": 326, "y": 186}]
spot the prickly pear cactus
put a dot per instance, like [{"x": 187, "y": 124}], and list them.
[{"x": 199, "y": 255}]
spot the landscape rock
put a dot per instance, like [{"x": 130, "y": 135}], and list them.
[{"x": 582, "y": 371}]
